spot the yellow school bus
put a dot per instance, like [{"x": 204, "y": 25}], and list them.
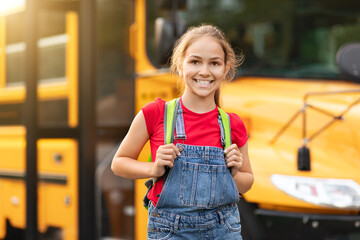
[
  {"x": 301, "y": 111},
  {"x": 74, "y": 73}
]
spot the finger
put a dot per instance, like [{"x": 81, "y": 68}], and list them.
[
  {"x": 234, "y": 164},
  {"x": 171, "y": 147},
  {"x": 167, "y": 150},
  {"x": 235, "y": 153},
  {"x": 169, "y": 164},
  {"x": 172, "y": 152},
  {"x": 234, "y": 158},
  {"x": 176, "y": 150},
  {"x": 164, "y": 162},
  {"x": 167, "y": 157},
  {"x": 230, "y": 148}
]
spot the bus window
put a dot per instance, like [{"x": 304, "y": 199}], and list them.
[
  {"x": 54, "y": 72},
  {"x": 57, "y": 75},
  {"x": 52, "y": 46},
  {"x": 288, "y": 39},
  {"x": 15, "y": 49},
  {"x": 57, "y": 69},
  {"x": 115, "y": 85}
]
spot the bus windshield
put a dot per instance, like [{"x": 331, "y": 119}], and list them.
[{"x": 288, "y": 39}]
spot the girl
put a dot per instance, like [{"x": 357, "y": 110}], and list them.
[{"x": 198, "y": 199}]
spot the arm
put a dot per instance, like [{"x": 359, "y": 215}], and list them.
[
  {"x": 125, "y": 163},
  {"x": 238, "y": 160}
]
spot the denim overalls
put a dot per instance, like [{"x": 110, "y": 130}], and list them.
[{"x": 199, "y": 197}]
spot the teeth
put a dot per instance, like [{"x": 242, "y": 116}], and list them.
[{"x": 203, "y": 82}]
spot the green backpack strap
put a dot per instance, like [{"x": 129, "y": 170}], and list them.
[
  {"x": 225, "y": 119},
  {"x": 169, "y": 122}
]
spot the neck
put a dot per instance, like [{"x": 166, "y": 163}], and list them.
[{"x": 198, "y": 104}]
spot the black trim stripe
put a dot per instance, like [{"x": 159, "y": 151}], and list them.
[{"x": 43, "y": 177}]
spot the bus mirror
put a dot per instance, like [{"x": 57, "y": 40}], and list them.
[
  {"x": 170, "y": 4},
  {"x": 166, "y": 34},
  {"x": 348, "y": 60}
]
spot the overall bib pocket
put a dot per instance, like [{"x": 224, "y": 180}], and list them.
[{"x": 204, "y": 185}]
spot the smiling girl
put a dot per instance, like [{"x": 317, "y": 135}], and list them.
[{"x": 198, "y": 199}]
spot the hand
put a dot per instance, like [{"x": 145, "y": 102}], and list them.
[
  {"x": 233, "y": 158},
  {"x": 165, "y": 156}
]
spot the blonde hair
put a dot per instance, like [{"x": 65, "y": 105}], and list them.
[{"x": 205, "y": 30}]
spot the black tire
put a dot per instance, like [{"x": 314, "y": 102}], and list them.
[
  {"x": 13, "y": 233},
  {"x": 251, "y": 228}
]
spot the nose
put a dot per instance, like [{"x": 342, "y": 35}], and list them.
[{"x": 204, "y": 70}]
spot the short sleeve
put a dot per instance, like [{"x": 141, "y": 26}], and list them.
[
  {"x": 238, "y": 130},
  {"x": 153, "y": 113}
]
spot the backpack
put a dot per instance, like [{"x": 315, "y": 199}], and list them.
[{"x": 170, "y": 115}]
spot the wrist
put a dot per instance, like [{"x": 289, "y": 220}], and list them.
[{"x": 154, "y": 170}]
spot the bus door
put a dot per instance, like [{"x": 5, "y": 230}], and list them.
[
  {"x": 114, "y": 113},
  {"x": 42, "y": 46}
]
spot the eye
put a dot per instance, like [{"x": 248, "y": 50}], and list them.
[
  {"x": 194, "y": 61},
  {"x": 216, "y": 63}
]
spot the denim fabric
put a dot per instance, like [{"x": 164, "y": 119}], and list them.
[
  {"x": 180, "y": 127},
  {"x": 198, "y": 200}
]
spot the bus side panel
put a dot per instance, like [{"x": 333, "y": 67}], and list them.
[
  {"x": 12, "y": 187},
  {"x": 58, "y": 187},
  {"x": 58, "y": 183}
]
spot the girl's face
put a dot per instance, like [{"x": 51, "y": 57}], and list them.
[{"x": 203, "y": 68}]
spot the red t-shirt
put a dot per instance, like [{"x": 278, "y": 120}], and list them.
[{"x": 201, "y": 129}]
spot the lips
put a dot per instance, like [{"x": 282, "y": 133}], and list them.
[{"x": 204, "y": 82}]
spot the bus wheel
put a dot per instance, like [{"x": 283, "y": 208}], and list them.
[{"x": 13, "y": 233}]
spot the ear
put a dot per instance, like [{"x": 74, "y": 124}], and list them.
[
  {"x": 180, "y": 71},
  {"x": 227, "y": 68}
]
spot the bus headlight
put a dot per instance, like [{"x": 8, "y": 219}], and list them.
[{"x": 338, "y": 193}]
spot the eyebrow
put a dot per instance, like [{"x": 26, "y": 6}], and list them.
[{"x": 212, "y": 58}]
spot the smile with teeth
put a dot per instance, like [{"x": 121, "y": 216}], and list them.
[{"x": 204, "y": 82}]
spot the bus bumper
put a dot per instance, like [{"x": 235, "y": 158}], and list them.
[{"x": 291, "y": 225}]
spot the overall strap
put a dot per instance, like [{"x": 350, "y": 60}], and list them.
[
  {"x": 173, "y": 116},
  {"x": 180, "y": 126}
]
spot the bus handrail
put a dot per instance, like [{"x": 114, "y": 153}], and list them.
[{"x": 306, "y": 105}]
